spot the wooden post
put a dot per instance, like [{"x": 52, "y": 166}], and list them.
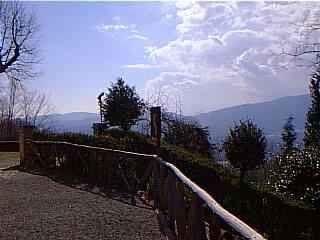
[
  {"x": 171, "y": 200},
  {"x": 163, "y": 188},
  {"x": 156, "y": 124},
  {"x": 214, "y": 228},
  {"x": 156, "y": 183},
  {"x": 180, "y": 211},
  {"x": 25, "y": 147},
  {"x": 196, "y": 224}
]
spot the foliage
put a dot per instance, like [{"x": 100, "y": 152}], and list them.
[
  {"x": 187, "y": 134},
  {"x": 122, "y": 105},
  {"x": 288, "y": 135},
  {"x": 264, "y": 211},
  {"x": 297, "y": 175},
  {"x": 270, "y": 214},
  {"x": 312, "y": 126},
  {"x": 245, "y": 147},
  {"x": 116, "y": 139}
]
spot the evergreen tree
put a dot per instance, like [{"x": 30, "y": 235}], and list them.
[
  {"x": 312, "y": 126},
  {"x": 188, "y": 134},
  {"x": 122, "y": 106},
  {"x": 245, "y": 147},
  {"x": 288, "y": 135}
]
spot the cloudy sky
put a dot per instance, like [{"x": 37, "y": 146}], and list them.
[{"x": 200, "y": 56}]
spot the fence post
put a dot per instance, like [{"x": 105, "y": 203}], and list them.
[
  {"x": 180, "y": 211},
  {"x": 171, "y": 200},
  {"x": 156, "y": 183},
  {"x": 162, "y": 185},
  {"x": 196, "y": 224},
  {"x": 24, "y": 146},
  {"x": 156, "y": 125}
]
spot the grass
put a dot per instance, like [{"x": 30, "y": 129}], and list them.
[{"x": 9, "y": 159}]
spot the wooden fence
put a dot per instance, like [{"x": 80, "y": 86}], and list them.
[
  {"x": 191, "y": 213},
  {"x": 9, "y": 130},
  {"x": 9, "y": 146}
]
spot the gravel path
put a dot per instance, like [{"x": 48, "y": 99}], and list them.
[{"x": 36, "y": 207}]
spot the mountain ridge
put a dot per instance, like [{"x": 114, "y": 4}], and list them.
[{"x": 270, "y": 116}]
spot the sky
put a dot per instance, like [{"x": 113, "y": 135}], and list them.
[{"x": 199, "y": 56}]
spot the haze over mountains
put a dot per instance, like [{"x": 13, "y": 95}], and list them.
[
  {"x": 270, "y": 116},
  {"x": 72, "y": 122}
]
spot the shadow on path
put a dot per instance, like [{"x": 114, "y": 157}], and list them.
[{"x": 79, "y": 184}]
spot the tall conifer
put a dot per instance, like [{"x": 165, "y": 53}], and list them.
[{"x": 312, "y": 126}]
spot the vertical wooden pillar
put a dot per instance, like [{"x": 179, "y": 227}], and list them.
[
  {"x": 25, "y": 146},
  {"x": 171, "y": 200},
  {"x": 156, "y": 183},
  {"x": 196, "y": 224},
  {"x": 156, "y": 124},
  {"x": 180, "y": 211},
  {"x": 163, "y": 188}
]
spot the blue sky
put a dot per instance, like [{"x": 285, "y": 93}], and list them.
[
  {"x": 203, "y": 55},
  {"x": 80, "y": 59}
]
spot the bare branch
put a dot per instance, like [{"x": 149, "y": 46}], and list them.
[{"x": 18, "y": 52}]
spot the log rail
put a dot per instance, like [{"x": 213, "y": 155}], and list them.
[{"x": 191, "y": 213}]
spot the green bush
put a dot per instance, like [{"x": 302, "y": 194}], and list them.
[
  {"x": 268, "y": 213},
  {"x": 245, "y": 147},
  {"x": 116, "y": 139},
  {"x": 297, "y": 175}
]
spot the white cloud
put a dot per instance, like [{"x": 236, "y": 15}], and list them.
[
  {"x": 232, "y": 48},
  {"x": 138, "y": 37},
  {"x": 112, "y": 27},
  {"x": 117, "y": 26},
  {"x": 116, "y": 19},
  {"x": 140, "y": 66},
  {"x": 168, "y": 16}
]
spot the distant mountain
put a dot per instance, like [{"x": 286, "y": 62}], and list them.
[
  {"x": 270, "y": 116},
  {"x": 72, "y": 122}
]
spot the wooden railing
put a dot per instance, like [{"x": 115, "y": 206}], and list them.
[
  {"x": 9, "y": 146},
  {"x": 191, "y": 213}
]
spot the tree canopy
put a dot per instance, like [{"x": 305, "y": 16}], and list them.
[
  {"x": 188, "y": 134},
  {"x": 122, "y": 106},
  {"x": 288, "y": 135},
  {"x": 245, "y": 146},
  {"x": 312, "y": 126}
]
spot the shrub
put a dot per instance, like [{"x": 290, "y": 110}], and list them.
[
  {"x": 122, "y": 105},
  {"x": 187, "y": 134},
  {"x": 245, "y": 147},
  {"x": 297, "y": 175}
]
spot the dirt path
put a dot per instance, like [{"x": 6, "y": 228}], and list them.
[
  {"x": 8, "y": 159},
  {"x": 36, "y": 207}
]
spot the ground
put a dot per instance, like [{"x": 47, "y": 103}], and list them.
[
  {"x": 8, "y": 159},
  {"x": 38, "y": 207}
]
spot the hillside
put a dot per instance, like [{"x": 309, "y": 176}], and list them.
[
  {"x": 268, "y": 115},
  {"x": 72, "y": 122}
]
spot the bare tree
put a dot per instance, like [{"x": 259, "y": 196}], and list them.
[
  {"x": 8, "y": 108},
  {"x": 34, "y": 108},
  {"x": 158, "y": 96},
  {"x": 306, "y": 51},
  {"x": 18, "y": 30}
]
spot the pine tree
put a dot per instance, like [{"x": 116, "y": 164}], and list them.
[
  {"x": 312, "y": 126},
  {"x": 122, "y": 105},
  {"x": 245, "y": 147},
  {"x": 288, "y": 135}
]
